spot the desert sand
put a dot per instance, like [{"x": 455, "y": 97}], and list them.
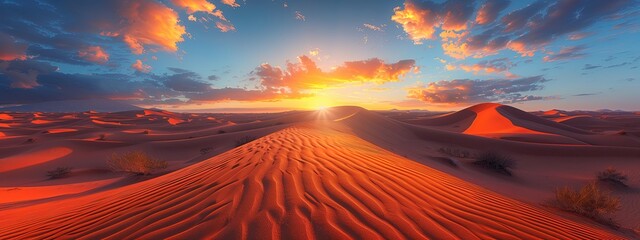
[{"x": 339, "y": 173}]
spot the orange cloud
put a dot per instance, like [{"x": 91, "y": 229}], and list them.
[
  {"x": 231, "y": 3},
  {"x": 420, "y": 19},
  {"x": 141, "y": 67},
  {"x": 150, "y": 23},
  {"x": 10, "y": 49},
  {"x": 194, "y": 6},
  {"x": 418, "y": 23},
  {"x": 94, "y": 54},
  {"x": 306, "y": 75}
]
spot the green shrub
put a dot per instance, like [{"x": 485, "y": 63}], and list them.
[
  {"x": 496, "y": 162},
  {"x": 137, "y": 162}
]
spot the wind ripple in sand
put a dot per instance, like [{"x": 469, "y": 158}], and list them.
[{"x": 300, "y": 183}]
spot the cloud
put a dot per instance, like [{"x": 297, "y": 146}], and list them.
[
  {"x": 584, "y": 94},
  {"x": 150, "y": 23},
  {"x": 465, "y": 91},
  {"x": 490, "y": 10},
  {"x": 141, "y": 67},
  {"x": 213, "y": 77},
  {"x": 314, "y": 52},
  {"x": 589, "y": 67},
  {"x": 94, "y": 54},
  {"x": 420, "y": 19},
  {"x": 374, "y": 27},
  {"x": 299, "y": 16},
  {"x": 10, "y": 49},
  {"x": 24, "y": 74},
  {"x": 186, "y": 81},
  {"x": 231, "y": 3},
  {"x": 525, "y": 30},
  {"x": 304, "y": 74},
  {"x": 579, "y": 35},
  {"x": 225, "y": 26},
  {"x": 204, "y": 6},
  {"x": 487, "y": 66},
  {"x": 565, "y": 54}
]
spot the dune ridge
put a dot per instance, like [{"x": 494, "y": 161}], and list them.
[{"x": 308, "y": 181}]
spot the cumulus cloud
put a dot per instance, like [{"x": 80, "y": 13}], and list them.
[
  {"x": 24, "y": 74},
  {"x": 141, "y": 67},
  {"x": 150, "y": 23},
  {"x": 465, "y": 91},
  {"x": 94, "y": 54},
  {"x": 565, "y": 54},
  {"x": 306, "y": 75},
  {"x": 10, "y": 49},
  {"x": 420, "y": 19},
  {"x": 490, "y": 10}
]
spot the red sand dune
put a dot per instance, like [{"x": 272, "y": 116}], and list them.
[
  {"x": 175, "y": 121},
  {"x": 32, "y": 158},
  {"x": 489, "y": 120},
  {"x": 4, "y": 116},
  {"x": 106, "y": 122},
  {"x": 62, "y": 130},
  {"x": 303, "y": 182},
  {"x": 41, "y": 121}
]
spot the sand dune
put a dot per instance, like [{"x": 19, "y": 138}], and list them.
[
  {"x": 329, "y": 174},
  {"x": 302, "y": 182}
]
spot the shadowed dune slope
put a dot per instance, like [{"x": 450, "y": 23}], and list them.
[{"x": 302, "y": 182}]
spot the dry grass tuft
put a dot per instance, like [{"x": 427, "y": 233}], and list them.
[{"x": 137, "y": 162}]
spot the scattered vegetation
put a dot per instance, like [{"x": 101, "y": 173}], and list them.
[
  {"x": 145, "y": 132},
  {"x": 589, "y": 201},
  {"x": 455, "y": 152},
  {"x": 496, "y": 162},
  {"x": 611, "y": 175},
  {"x": 244, "y": 140},
  {"x": 221, "y": 131},
  {"x": 137, "y": 162},
  {"x": 30, "y": 140},
  {"x": 446, "y": 160},
  {"x": 102, "y": 137},
  {"x": 206, "y": 150},
  {"x": 60, "y": 172}
]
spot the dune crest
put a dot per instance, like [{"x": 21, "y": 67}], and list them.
[{"x": 305, "y": 182}]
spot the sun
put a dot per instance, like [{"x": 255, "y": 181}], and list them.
[{"x": 322, "y": 108}]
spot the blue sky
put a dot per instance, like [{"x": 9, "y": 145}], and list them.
[{"x": 439, "y": 55}]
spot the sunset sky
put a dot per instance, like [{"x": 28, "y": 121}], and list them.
[{"x": 437, "y": 55}]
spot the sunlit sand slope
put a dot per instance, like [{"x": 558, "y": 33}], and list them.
[{"x": 303, "y": 182}]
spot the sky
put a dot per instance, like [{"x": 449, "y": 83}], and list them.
[{"x": 197, "y": 55}]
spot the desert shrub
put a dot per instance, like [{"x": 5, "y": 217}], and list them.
[
  {"x": 145, "y": 132},
  {"x": 496, "y": 162},
  {"x": 102, "y": 137},
  {"x": 59, "y": 172},
  {"x": 206, "y": 150},
  {"x": 30, "y": 140},
  {"x": 244, "y": 140},
  {"x": 589, "y": 201},
  {"x": 221, "y": 131},
  {"x": 455, "y": 152},
  {"x": 137, "y": 162},
  {"x": 612, "y": 175}
]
